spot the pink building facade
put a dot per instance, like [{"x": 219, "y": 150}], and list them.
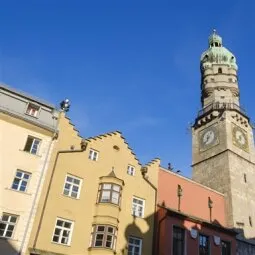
[{"x": 191, "y": 218}]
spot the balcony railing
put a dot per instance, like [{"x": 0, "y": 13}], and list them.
[{"x": 221, "y": 106}]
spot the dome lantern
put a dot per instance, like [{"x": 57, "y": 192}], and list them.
[{"x": 217, "y": 54}]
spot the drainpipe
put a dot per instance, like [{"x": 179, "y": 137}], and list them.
[
  {"x": 36, "y": 194},
  {"x": 144, "y": 171},
  {"x": 159, "y": 227},
  {"x": 83, "y": 148}
]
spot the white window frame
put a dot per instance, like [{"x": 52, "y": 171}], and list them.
[
  {"x": 8, "y": 223},
  {"x": 30, "y": 108},
  {"x": 105, "y": 233},
  {"x": 112, "y": 190},
  {"x": 131, "y": 170},
  {"x": 33, "y": 144},
  {"x": 133, "y": 245},
  {"x": 21, "y": 179},
  {"x": 72, "y": 184},
  {"x": 62, "y": 229},
  {"x": 93, "y": 154},
  {"x": 135, "y": 206}
]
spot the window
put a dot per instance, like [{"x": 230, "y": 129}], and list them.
[
  {"x": 225, "y": 248},
  {"x": 7, "y": 225},
  {"x": 109, "y": 193},
  {"x": 134, "y": 246},
  {"x": 32, "y": 145},
  {"x": 204, "y": 245},
  {"x": 104, "y": 236},
  {"x": 93, "y": 155},
  {"x": 20, "y": 180},
  {"x": 250, "y": 221},
  {"x": 138, "y": 207},
  {"x": 72, "y": 186},
  {"x": 32, "y": 110},
  {"x": 219, "y": 70},
  {"x": 131, "y": 170},
  {"x": 244, "y": 177},
  {"x": 63, "y": 232},
  {"x": 178, "y": 240}
]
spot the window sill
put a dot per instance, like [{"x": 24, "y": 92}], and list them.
[
  {"x": 8, "y": 238},
  {"x": 74, "y": 198},
  {"x": 35, "y": 117},
  {"x": 102, "y": 248},
  {"x": 62, "y": 244},
  {"x": 36, "y": 155},
  {"x": 140, "y": 217},
  {"x": 18, "y": 191},
  {"x": 109, "y": 203}
]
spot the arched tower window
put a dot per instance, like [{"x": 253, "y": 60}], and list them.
[
  {"x": 220, "y": 70},
  {"x": 250, "y": 221},
  {"x": 244, "y": 177}
]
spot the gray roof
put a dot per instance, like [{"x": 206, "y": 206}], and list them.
[{"x": 26, "y": 95}]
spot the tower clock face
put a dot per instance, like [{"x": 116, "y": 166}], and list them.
[
  {"x": 208, "y": 138},
  {"x": 240, "y": 138}
]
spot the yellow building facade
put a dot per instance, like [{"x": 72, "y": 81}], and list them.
[{"x": 96, "y": 199}]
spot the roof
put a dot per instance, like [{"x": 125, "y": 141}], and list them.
[
  {"x": 217, "y": 54},
  {"x": 26, "y": 95},
  {"x": 194, "y": 219}
]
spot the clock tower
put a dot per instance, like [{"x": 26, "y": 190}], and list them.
[{"x": 222, "y": 137}]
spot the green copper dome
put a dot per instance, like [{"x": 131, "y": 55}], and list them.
[{"x": 217, "y": 54}]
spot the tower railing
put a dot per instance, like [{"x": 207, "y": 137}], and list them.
[{"x": 221, "y": 106}]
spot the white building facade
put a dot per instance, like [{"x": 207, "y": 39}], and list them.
[{"x": 28, "y": 128}]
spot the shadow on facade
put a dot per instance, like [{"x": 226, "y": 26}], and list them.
[
  {"x": 194, "y": 227},
  {"x": 7, "y": 248},
  {"x": 147, "y": 236}
]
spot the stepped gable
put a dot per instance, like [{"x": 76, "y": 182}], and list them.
[
  {"x": 153, "y": 161},
  {"x": 73, "y": 125},
  {"x": 118, "y": 133}
]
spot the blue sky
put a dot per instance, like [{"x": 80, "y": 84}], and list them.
[{"x": 131, "y": 66}]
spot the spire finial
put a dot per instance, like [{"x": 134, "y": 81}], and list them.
[{"x": 214, "y": 31}]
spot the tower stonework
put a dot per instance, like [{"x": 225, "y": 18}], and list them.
[{"x": 222, "y": 138}]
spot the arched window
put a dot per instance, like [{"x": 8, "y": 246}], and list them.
[{"x": 219, "y": 70}]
